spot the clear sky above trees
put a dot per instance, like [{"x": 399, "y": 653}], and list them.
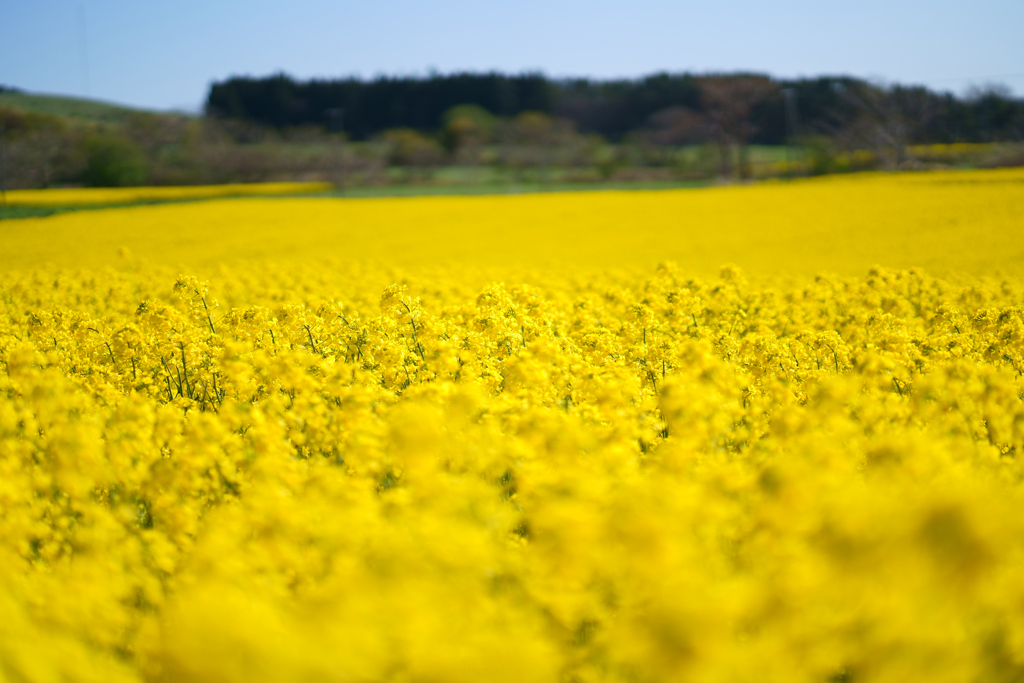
[{"x": 164, "y": 55}]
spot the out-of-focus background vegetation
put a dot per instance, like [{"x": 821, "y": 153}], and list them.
[{"x": 480, "y": 132}]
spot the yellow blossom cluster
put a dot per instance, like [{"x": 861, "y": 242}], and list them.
[
  {"x": 79, "y": 196},
  {"x": 301, "y": 469},
  {"x": 944, "y": 222}
]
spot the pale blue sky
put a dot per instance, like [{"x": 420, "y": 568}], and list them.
[{"x": 165, "y": 54}]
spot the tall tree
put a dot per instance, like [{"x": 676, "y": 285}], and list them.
[{"x": 727, "y": 102}]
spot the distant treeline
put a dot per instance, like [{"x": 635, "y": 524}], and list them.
[{"x": 616, "y": 108}]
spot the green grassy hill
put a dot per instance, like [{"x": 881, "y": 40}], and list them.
[{"x": 72, "y": 108}]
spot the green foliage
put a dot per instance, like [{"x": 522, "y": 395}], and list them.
[
  {"x": 822, "y": 156},
  {"x": 533, "y": 127},
  {"x": 410, "y": 148},
  {"x": 480, "y": 117},
  {"x": 79, "y": 110},
  {"x": 114, "y": 161},
  {"x": 467, "y": 125},
  {"x": 16, "y": 121},
  {"x": 7, "y": 211}
]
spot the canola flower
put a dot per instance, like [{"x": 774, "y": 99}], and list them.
[
  {"x": 292, "y": 468},
  {"x": 946, "y": 223},
  {"x": 126, "y": 195}
]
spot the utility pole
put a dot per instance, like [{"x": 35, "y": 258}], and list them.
[
  {"x": 336, "y": 124},
  {"x": 789, "y": 98}
]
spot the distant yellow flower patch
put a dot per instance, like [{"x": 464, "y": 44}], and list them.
[
  {"x": 127, "y": 195},
  {"x": 945, "y": 222}
]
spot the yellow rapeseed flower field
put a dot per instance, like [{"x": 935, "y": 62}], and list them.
[
  {"x": 129, "y": 195},
  {"x": 738, "y": 434}
]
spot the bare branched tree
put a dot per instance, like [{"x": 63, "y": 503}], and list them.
[
  {"x": 885, "y": 120},
  {"x": 727, "y": 102},
  {"x": 677, "y": 126}
]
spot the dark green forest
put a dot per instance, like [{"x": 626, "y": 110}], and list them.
[{"x": 751, "y": 106}]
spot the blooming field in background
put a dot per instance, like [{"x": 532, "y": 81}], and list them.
[
  {"x": 127, "y": 195},
  {"x": 764, "y": 433}
]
